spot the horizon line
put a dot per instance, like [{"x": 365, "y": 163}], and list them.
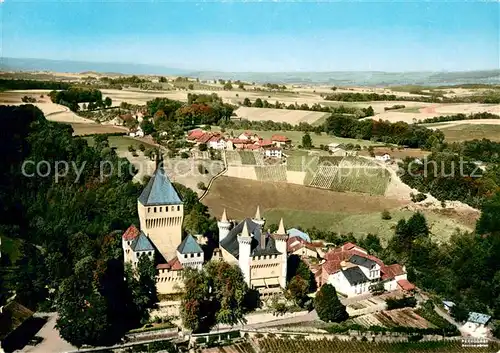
[{"x": 192, "y": 71}]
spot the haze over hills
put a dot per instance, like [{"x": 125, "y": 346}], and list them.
[{"x": 354, "y": 78}]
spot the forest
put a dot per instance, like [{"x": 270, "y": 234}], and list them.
[
  {"x": 69, "y": 230},
  {"x": 74, "y": 95},
  {"x": 488, "y": 97}
]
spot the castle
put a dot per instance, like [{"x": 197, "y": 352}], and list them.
[{"x": 261, "y": 256}]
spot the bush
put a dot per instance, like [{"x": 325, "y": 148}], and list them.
[
  {"x": 202, "y": 169},
  {"x": 202, "y": 147},
  {"x": 131, "y": 148},
  {"x": 418, "y": 197},
  {"x": 259, "y": 335},
  {"x": 201, "y": 186},
  {"x": 184, "y": 155},
  {"x": 386, "y": 215},
  {"x": 142, "y": 148},
  {"x": 401, "y": 303}
]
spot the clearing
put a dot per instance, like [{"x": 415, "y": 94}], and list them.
[{"x": 308, "y": 207}]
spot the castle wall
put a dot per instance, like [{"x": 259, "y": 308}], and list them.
[
  {"x": 163, "y": 225},
  {"x": 169, "y": 282}
]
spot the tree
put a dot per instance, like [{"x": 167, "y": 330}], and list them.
[
  {"x": 142, "y": 148},
  {"x": 307, "y": 141},
  {"x": 108, "y": 102},
  {"x": 228, "y": 86},
  {"x": 214, "y": 295},
  {"x": 258, "y": 103},
  {"x": 386, "y": 215},
  {"x": 328, "y": 305},
  {"x": 297, "y": 290},
  {"x": 202, "y": 147},
  {"x": 489, "y": 221},
  {"x": 246, "y": 102},
  {"x": 201, "y": 185},
  {"x": 191, "y": 86},
  {"x": 377, "y": 288},
  {"x": 147, "y": 126}
]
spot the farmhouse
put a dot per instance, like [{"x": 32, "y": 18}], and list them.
[
  {"x": 249, "y": 136},
  {"x": 261, "y": 256},
  {"x": 476, "y": 325},
  {"x": 273, "y": 152},
  {"x": 383, "y": 157},
  {"x": 298, "y": 246},
  {"x": 281, "y": 141},
  {"x": 352, "y": 271}
]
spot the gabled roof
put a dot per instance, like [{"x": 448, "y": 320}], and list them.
[
  {"x": 159, "y": 190},
  {"x": 172, "y": 265},
  {"x": 391, "y": 271},
  {"x": 406, "y": 285},
  {"x": 131, "y": 233},
  {"x": 142, "y": 243},
  {"x": 362, "y": 261},
  {"x": 354, "y": 275},
  {"x": 280, "y": 138},
  {"x": 189, "y": 246},
  {"x": 478, "y": 318}
]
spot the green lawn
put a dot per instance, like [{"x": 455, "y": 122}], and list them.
[
  {"x": 121, "y": 142},
  {"x": 360, "y": 224}
]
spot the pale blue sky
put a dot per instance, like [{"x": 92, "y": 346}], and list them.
[{"x": 264, "y": 36}]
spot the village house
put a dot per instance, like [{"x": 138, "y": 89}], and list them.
[
  {"x": 281, "y": 141},
  {"x": 136, "y": 132},
  {"x": 383, "y": 157},
  {"x": 272, "y": 152},
  {"x": 476, "y": 325},
  {"x": 249, "y": 136},
  {"x": 300, "y": 247},
  {"x": 352, "y": 271}
]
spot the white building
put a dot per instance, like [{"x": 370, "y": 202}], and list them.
[
  {"x": 273, "y": 152},
  {"x": 217, "y": 142},
  {"x": 136, "y": 132},
  {"x": 384, "y": 157},
  {"x": 476, "y": 325},
  {"x": 352, "y": 271}
]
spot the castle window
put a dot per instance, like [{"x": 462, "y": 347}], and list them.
[
  {"x": 166, "y": 209},
  {"x": 149, "y": 209},
  {"x": 185, "y": 256},
  {"x": 160, "y": 209},
  {"x": 178, "y": 208},
  {"x": 192, "y": 255},
  {"x": 154, "y": 209},
  {"x": 198, "y": 255},
  {"x": 172, "y": 208}
]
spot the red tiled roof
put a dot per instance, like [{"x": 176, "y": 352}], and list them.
[
  {"x": 280, "y": 138},
  {"x": 335, "y": 257},
  {"x": 238, "y": 141},
  {"x": 196, "y": 133},
  {"x": 204, "y": 138},
  {"x": 391, "y": 271},
  {"x": 215, "y": 138},
  {"x": 266, "y": 143},
  {"x": 296, "y": 243},
  {"x": 172, "y": 265},
  {"x": 406, "y": 285},
  {"x": 131, "y": 233}
]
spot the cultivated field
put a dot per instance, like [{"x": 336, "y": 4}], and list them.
[
  {"x": 307, "y": 207},
  {"x": 279, "y": 115},
  {"x": 405, "y": 317},
  {"x": 90, "y": 129},
  {"x": 470, "y": 131},
  {"x": 280, "y": 345}
]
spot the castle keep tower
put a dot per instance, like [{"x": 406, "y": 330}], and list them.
[
  {"x": 161, "y": 213},
  {"x": 281, "y": 237}
]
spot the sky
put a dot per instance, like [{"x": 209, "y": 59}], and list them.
[{"x": 266, "y": 36}]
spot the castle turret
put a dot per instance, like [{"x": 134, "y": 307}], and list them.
[
  {"x": 224, "y": 226},
  {"x": 244, "y": 249},
  {"x": 258, "y": 219},
  {"x": 280, "y": 238}
]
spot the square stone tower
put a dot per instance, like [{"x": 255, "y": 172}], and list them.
[{"x": 161, "y": 213}]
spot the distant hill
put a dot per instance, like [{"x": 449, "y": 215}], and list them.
[{"x": 340, "y": 78}]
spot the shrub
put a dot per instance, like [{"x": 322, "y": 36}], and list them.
[
  {"x": 401, "y": 303},
  {"x": 386, "y": 215},
  {"x": 131, "y": 148},
  {"x": 418, "y": 197},
  {"x": 201, "y": 186},
  {"x": 142, "y": 148},
  {"x": 203, "y": 147},
  {"x": 184, "y": 155}
]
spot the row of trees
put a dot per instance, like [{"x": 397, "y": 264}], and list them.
[
  {"x": 11, "y": 84},
  {"x": 443, "y": 118},
  {"x": 74, "y": 95},
  {"x": 489, "y": 97}
]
